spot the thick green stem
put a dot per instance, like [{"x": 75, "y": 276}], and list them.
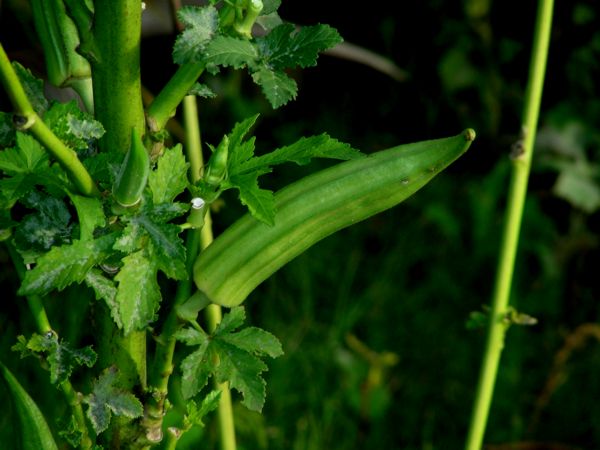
[
  {"x": 30, "y": 120},
  {"x": 516, "y": 201},
  {"x": 116, "y": 71},
  {"x": 118, "y": 105},
  {"x": 164, "y": 105}
]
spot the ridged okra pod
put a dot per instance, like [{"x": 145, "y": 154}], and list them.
[
  {"x": 133, "y": 174},
  {"x": 313, "y": 208}
]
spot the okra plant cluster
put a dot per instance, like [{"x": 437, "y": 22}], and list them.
[{"x": 92, "y": 197}]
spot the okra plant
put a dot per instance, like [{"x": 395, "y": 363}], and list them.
[{"x": 92, "y": 196}]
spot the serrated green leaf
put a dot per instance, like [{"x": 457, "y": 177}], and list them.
[
  {"x": 195, "y": 369},
  {"x": 228, "y": 51},
  {"x": 65, "y": 265},
  {"x": 27, "y": 157},
  {"x": 105, "y": 289},
  {"x": 138, "y": 293},
  {"x": 260, "y": 202},
  {"x": 168, "y": 250},
  {"x": 165, "y": 212},
  {"x": 301, "y": 152},
  {"x": 285, "y": 47},
  {"x": 196, "y": 413},
  {"x": 255, "y": 340},
  {"x": 85, "y": 128},
  {"x": 34, "y": 88},
  {"x": 61, "y": 358},
  {"x": 202, "y": 90},
  {"x": 191, "y": 336},
  {"x": 231, "y": 321},
  {"x": 106, "y": 399},
  {"x": 276, "y": 85},
  {"x": 34, "y": 431},
  {"x": 14, "y": 188},
  {"x": 243, "y": 371},
  {"x": 237, "y": 355},
  {"x": 201, "y": 24},
  {"x": 90, "y": 214},
  {"x": 131, "y": 238},
  {"x": 48, "y": 226},
  {"x": 240, "y": 150},
  {"x": 169, "y": 178}
]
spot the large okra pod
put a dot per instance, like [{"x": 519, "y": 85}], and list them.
[{"x": 313, "y": 208}]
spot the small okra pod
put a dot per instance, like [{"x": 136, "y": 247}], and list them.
[
  {"x": 133, "y": 175},
  {"x": 314, "y": 207},
  {"x": 216, "y": 171}
]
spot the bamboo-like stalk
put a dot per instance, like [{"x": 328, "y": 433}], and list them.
[{"x": 521, "y": 163}]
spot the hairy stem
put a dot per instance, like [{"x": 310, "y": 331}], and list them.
[
  {"x": 116, "y": 71},
  {"x": 66, "y": 156},
  {"x": 521, "y": 164}
]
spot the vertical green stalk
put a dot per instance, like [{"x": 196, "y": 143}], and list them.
[
  {"x": 118, "y": 105},
  {"x": 521, "y": 163},
  {"x": 213, "y": 313},
  {"x": 116, "y": 71}
]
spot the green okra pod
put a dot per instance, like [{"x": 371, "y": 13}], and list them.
[
  {"x": 313, "y": 208},
  {"x": 133, "y": 174}
]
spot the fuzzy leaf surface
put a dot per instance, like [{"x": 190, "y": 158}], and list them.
[
  {"x": 201, "y": 24},
  {"x": 106, "y": 399},
  {"x": 65, "y": 265},
  {"x": 169, "y": 178},
  {"x": 138, "y": 293},
  {"x": 61, "y": 358}
]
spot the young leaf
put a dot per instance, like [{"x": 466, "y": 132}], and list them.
[
  {"x": 138, "y": 293},
  {"x": 196, "y": 413},
  {"x": 169, "y": 178},
  {"x": 35, "y": 433},
  {"x": 301, "y": 152},
  {"x": 201, "y": 24},
  {"x": 65, "y": 265},
  {"x": 240, "y": 150},
  {"x": 61, "y": 358},
  {"x": 201, "y": 90},
  {"x": 106, "y": 399},
  {"x": 237, "y": 354}
]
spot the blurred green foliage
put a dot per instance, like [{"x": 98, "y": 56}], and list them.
[{"x": 373, "y": 319}]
